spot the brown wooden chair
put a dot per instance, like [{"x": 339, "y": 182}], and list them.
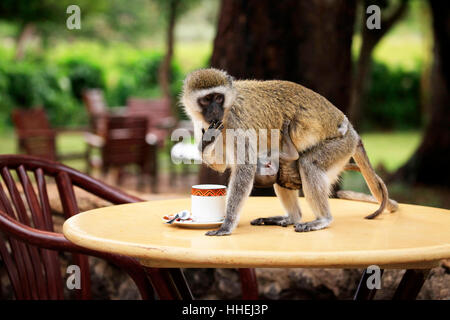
[
  {"x": 97, "y": 109},
  {"x": 161, "y": 122},
  {"x": 36, "y": 137},
  {"x": 94, "y": 102},
  {"x": 126, "y": 143},
  {"x": 158, "y": 113},
  {"x": 29, "y": 245}
]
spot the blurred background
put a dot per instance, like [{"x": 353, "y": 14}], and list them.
[{"x": 129, "y": 58}]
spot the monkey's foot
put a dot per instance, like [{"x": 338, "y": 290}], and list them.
[
  {"x": 283, "y": 221},
  {"x": 312, "y": 225},
  {"x": 218, "y": 232}
]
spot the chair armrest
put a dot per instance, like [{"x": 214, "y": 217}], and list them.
[
  {"x": 57, "y": 241},
  {"x": 45, "y": 239},
  {"x": 94, "y": 140}
]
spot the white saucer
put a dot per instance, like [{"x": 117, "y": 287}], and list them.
[{"x": 195, "y": 224}]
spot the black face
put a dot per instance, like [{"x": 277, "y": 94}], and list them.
[{"x": 212, "y": 107}]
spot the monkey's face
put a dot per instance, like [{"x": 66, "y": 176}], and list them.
[{"x": 211, "y": 106}]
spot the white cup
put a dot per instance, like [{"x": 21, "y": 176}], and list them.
[{"x": 208, "y": 202}]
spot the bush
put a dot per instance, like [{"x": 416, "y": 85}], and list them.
[
  {"x": 83, "y": 75},
  {"x": 25, "y": 85},
  {"x": 140, "y": 79},
  {"x": 57, "y": 79},
  {"x": 22, "y": 84},
  {"x": 393, "y": 99}
]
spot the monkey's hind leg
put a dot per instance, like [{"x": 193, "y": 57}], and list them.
[
  {"x": 316, "y": 187},
  {"x": 319, "y": 168},
  {"x": 289, "y": 200}
]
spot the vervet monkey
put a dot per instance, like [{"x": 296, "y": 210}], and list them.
[
  {"x": 211, "y": 96},
  {"x": 285, "y": 173}
]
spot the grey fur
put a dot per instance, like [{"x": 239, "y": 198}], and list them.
[
  {"x": 320, "y": 133},
  {"x": 239, "y": 189}
]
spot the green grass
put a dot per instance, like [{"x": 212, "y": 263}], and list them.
[
  {"x": 406, "y": 52},
  {"x": 193, "y": 55},
  {"x": 391, "y": 149}
]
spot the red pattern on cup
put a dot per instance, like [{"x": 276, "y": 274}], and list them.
[{"x": 208, "y": 192}]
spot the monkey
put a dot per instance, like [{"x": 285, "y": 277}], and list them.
[
  {"x": 211, "y": 95},
  {"x": 286, "y": 173}
]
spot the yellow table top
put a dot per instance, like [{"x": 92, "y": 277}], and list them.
[{"x": 412, "y": 237}]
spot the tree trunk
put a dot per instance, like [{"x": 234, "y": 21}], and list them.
[
  {"x": 308, "y": 42},
  {"x": 305, "y": 41},
  {"x": 370, "y": 38},
  {"x": 164, "y": 70},
  {"x": 429, "y": 164}
]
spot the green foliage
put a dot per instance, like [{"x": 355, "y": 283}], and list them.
[
  {"x": 27, "y": 85},
  {"x": 393, "y": 99},
  {"x": 45, "y": 11},
  {"x": 83, "y": 75},
  {"x": 140, "y": 79},
  {"x": 56, "y": 81}
]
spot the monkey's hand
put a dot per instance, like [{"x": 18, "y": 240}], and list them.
[{"x": 211, "y": 134}]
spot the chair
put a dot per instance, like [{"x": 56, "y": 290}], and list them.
[
  {"x": 36, "y": 137},
  {"x": 158, "y": 113},
  {"x": 97, "y": 108},
  {"x": 94, "y": 102},
  {"x": 161, "y": 122},
  {"x": 29, "y": 245},
  {"x": 126, "y": 143}
]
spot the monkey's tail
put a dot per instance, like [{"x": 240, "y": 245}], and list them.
[
  {"x": 374, "y": 182},
  {"x": 359, "y": 196}
]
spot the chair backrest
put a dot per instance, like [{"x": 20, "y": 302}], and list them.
[
  {"x": 125, "y": 141},
  {"x": 35, "y": 273},
  {"x": 97, "y": 109},
  {"x": 157, "y": 112},
  {"x": 35, "y": 136},
  {"x": 155, "y": 108},
  {"x": 30, "y": 119},
  {"x": 94, "y": 102}
]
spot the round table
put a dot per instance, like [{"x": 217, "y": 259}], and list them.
[{"x": 414, "y": 237}]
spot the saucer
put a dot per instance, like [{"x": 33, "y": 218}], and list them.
[
  {"x": 197, "y": 225},
  {"x": 191, "y": 223}
]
